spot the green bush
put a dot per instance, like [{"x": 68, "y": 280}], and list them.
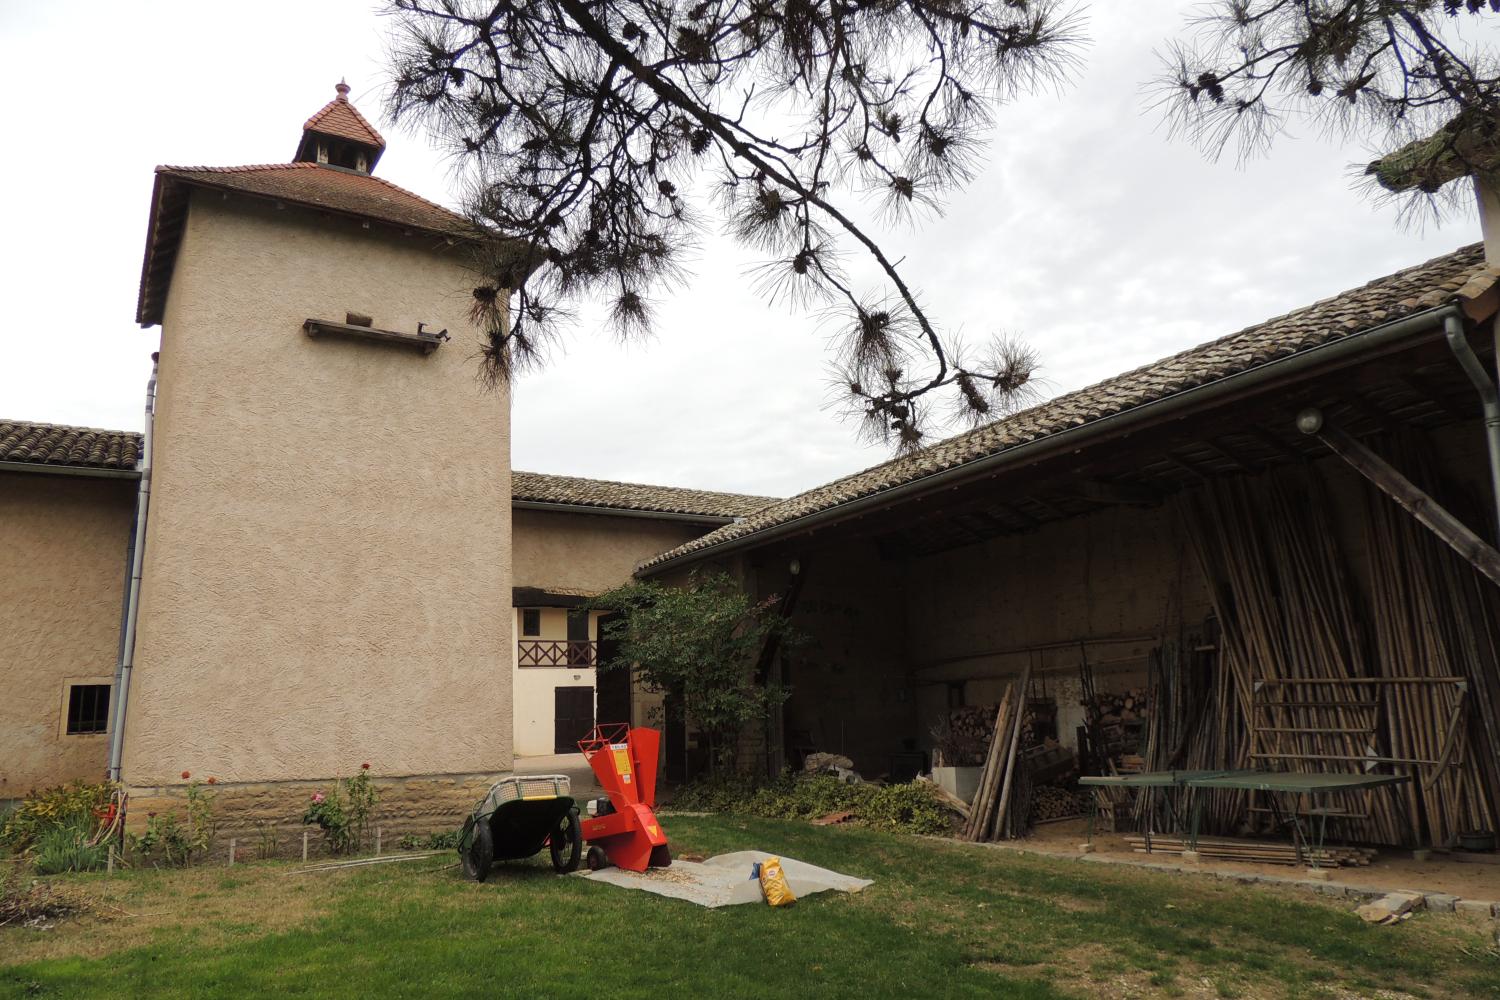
[
  {"x": 66, "y": 849},
  {"x": 912, "y": 807},
  {"x": 78, "y": 805},
  {"x": 444, "y": 841},
  {"x": 344, "y": 813}
]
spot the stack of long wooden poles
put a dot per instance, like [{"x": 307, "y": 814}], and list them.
[
  {"x": 1435, "y": 617},
  {"x": 1000, "y": 805},
  {"x": 1316, "y": 675}
]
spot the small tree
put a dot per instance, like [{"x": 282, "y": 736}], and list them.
[{"x": 698, "y": 644}]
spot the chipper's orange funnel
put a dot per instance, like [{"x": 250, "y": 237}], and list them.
[{"x": 624, "y": 760}]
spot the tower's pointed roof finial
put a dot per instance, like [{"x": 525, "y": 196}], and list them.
[{"x": 338, "y": 135}]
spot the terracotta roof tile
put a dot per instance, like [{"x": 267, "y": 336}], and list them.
[
  {"x": 319, "y": 186},
  {"x": 1461, "y": 274},
  {"x": 63, "y": 446},
  {"x": 575, "y": 491},
  {"x": 342, "y": 119},
  {"x": 90, "y": 447}
]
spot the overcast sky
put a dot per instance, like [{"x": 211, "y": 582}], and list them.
[{"x": 1088, "y": 234}]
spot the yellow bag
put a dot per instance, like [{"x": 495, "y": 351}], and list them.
[{"x": 773, "y": 883}]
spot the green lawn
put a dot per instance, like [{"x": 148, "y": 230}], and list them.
[{"x": 941, "y": 920}]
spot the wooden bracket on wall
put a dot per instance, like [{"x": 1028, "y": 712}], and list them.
[
  {"x": 1433, "y": 515},
  {"x": 423, "y": 340}
]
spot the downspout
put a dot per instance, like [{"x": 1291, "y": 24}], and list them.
[
  {"x": 1489, "y": 397},
  {"x": 133, "y": 585}
]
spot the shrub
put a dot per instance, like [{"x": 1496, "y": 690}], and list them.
[
  {"x": 344, "y": 813},
  {"x": 78, "y": 805},
  {"x": 175, "y": 842},
  {"x": 912, "y": 807},
  {"x": 432, "y": 842},
  {"x": 699, "y": 645}
]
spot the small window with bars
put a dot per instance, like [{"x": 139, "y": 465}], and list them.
[{"x": 88, "y": 708}]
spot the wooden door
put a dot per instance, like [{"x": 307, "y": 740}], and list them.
[{"x": 574, "y": 711}]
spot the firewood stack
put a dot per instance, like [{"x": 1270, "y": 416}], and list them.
[
  {"x": 1122, "y": 717},
  {"x": 1053, "y": 802}
]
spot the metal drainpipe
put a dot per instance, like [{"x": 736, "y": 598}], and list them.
[
  {"x": 133, "y": 586},
  {"x": 1489, "y": 397}
]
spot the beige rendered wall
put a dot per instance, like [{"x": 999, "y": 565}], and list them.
[
  {"x": 583, "y": 554},
  {"x": 62, "y": 578},
  {"x": 589, "y": 553},
  {"x": 535, "y": 703},
  {"x": 327, "y": 559}
]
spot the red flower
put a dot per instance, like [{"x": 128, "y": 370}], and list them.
[
  {"x": 365, "y": 766},
  {"x": 212, "y": 780},
  {"x": 151, "y": 815},
  {"x": 186, "y": 775}
]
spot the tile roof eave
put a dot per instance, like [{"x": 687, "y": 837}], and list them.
[
  {"x": 161, "y": 248},
  {"x": 1476, "y": 298},
  {"x": 645, "y": 512}
]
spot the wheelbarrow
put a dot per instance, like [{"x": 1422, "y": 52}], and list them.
[
  {"x": 623, "y": 831},
  {"x": 516, "y": 819}
]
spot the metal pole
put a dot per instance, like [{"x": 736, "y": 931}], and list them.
[{"x": 133, "y": 584}]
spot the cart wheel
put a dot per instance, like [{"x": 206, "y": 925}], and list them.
[
  {"x": 481, "y": 852},
  {"x": 596, "y": 859},
  {"x": 566, "y": 843}
]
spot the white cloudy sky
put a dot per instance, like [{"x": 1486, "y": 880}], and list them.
[{"x": 1088, "y": 233}]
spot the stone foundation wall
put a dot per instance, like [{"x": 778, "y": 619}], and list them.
[{"x": 256, "y": 813}]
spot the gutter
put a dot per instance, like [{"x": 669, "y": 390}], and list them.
[
  {"x": 81, "y": 471},
  {"x": 717, "y": 520},
  {"x": 133, "y": 584},
  {"x": 1489, "y": 397},
  {"x": 1385, "y": 335}
]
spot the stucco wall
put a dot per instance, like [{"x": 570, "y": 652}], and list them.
[
  {"x": 62, "y": 577},
  {"x": 535, "y": 702},
  {"x": 589, "y": 553},
  {"x": 327, "y": 563},
  {"x": 580, "y": 554}
]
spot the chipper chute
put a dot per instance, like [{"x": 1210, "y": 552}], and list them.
[
  {"x": 624, "y": 831},
  {"x": 518, "y": 818}
]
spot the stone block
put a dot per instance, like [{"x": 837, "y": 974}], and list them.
[
  {"x": 1477, "y": 907},
  {"x": 1391, "y": 907},
  {"x": 1441, "y": 902}
]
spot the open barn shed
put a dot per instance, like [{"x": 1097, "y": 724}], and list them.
[{"x": 1274, "y": 551}]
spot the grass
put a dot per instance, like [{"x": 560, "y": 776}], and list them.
[{"x": 941, "y": 920}]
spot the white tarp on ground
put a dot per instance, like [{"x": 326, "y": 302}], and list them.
[{"x": 725, "y": 880}]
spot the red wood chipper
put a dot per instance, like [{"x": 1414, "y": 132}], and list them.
[{"x": 623, "y": 830}]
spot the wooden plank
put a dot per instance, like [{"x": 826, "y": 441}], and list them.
[
  {"x": 427, "y": 342},
  {"x": 1436, "y": 518}
]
